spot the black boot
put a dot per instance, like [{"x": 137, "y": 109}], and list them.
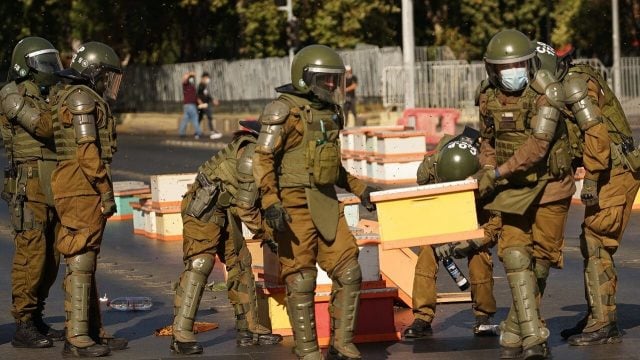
[
  {"x": 28, "y": 336},
  {"x": 577, "y": 329},
  {"x": 609, "y": 334},
  {"x": 484, "y": 327},
  {"x": 95, "y": 350},
  {"x": 536, "y": 352},
  {"x": 114, "y": 343},
  {"x": 48, "y": 331},
  {"x": 247, "y": 338},
  {"x": 510, "y": 352},
  {"x": 418, "y": 329},
  {"x": 334, "y": 354},
  {"x": 185, "y": 348}
]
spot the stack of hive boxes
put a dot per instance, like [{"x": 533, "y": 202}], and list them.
[
  {"x": 158, "y": 216},
  {"x": 376, "y": 298},
  {"x": 383, "y": 154},
  {"x": 125, "y": 192}
]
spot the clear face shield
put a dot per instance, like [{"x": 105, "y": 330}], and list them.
[
  {"x": 112, "y": 82},
  {"x": 327, "y": 84},
  {"x": 45, "y": 61}
]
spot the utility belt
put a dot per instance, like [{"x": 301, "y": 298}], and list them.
[
  {"x": 625, "y": 155},
  {"x": 205, "y": 201}
]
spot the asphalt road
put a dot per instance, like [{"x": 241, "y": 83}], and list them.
[{"x": 136, "y": 266}]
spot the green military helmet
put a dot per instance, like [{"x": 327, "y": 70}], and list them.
[
  {"x": 98, "y": 64},
  {"x": 319, "y": 70},
  {"x": 35, "y": 57},
  {"x": 457, "y": 160},
  {"x": 547, "y": 56},
  {"x": 510, "y": 60}
]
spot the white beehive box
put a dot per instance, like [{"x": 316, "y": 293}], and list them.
[
  {"x": 394, "y": 169},
  {"x": 167, "y": 190},
  {"x": 169, "y": 225},
  {"x": 399, "y": 142}
]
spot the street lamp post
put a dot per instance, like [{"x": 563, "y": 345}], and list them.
[{"x": 290, "y": 19}]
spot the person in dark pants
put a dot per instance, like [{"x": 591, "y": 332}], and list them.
[
  {"x": 351, "y": 82},
  {"x": 206, "y": 104}
]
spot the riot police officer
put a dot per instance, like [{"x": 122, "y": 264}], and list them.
[
  {"x": 223, "y": 197},
  {"x": 297, "y": 166},
  {"x": 24, "y": 104},
  {"x": 526, "y": 161},
  {"x": 455, "y": 159},
  {"x": 605, "y": 148},
  {"x": 85, "y": 139}
]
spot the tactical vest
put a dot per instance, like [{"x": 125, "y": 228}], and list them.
[
  {"x": 222, "y": 166},
  {"x": 21, "y": 146},
  {"x": 316, "y": 160},
  {"x": 65, "y": 137},
  {"x": 612, "y": 112},
  {"x": 513, "y": 127}
]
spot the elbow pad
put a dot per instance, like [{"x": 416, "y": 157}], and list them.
[
  {"x": 247, "y": 190},
  {"x": 545, "y": 123},
  {"x": 546, "y": 83},
  {"x": 267, "y": 138},
  {"x": 582, "y": 107}
]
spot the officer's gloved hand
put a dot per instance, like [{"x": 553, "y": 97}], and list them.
[
  {"x": 464, "y": 249},
  {"x": 589, "y": 193},
  {"x": 486, "y": 178},
  {"x": 108, "y": 204},
  {"x": 365, "y": 198},
  {"x": 272, "y": 244},
  {"x": 276, "y": 217},
  {"x": 443, "y": 251}
]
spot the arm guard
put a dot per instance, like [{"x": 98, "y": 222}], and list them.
[
  {"x": 15, "y": 106},
  {"x": 247, "y": 189},
  {"x": 581, "y": 105},
  {"x": 82, "y": 106},
  {"x": 272, "y": 118},
  {"x": 545, "y": 123}
]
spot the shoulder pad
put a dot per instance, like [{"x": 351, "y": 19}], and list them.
[
  {"x": 484, "y": 85},
  {"x": 575, "y": 87},
  {"x": 274, "y": 113},
  {"x": 545, "y": 83},
  {"x": 80, "y": 102}
]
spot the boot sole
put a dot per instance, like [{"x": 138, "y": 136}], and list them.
[
  {"x": 175, "y": 350},
  {"x": 69, "y": 354},
  {"x": 609, "y": 340},
  {"x": 21, "y": 345}
]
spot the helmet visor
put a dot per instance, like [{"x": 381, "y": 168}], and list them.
[
  {"x": 112, "y": 82},
  {"x": 44, "y": 61},
  {"x": 327, "y": 84}
]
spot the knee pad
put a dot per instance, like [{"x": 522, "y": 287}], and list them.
[
  {"x": 590, "y": 246},
  {"x": 84, "y": 263},
  {"x": 349, "y": 274},
  {"x": 244, "y": 258},
  {"x": 516, "y": 259},
  {"x": 202, "y": 264},
  {"x": 303, "y": 281}
]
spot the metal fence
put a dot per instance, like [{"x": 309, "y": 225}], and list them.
[
  {"x": 248, "y": 84},
  {"x": 242, "y": 82}
]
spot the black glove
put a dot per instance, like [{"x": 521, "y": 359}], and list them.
[
  {"x": 108, "y": 204},
  {"x": 276, "y": 217},
  {"x": 365, "y": 198},
  {"x": 589, "y": 193},
  {"x": 272, "y": 244}
]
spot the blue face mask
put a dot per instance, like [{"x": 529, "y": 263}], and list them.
[{"x": 514, "y": 79}]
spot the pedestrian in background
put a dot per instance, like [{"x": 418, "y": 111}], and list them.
[
  {"x": 206, "y": 104},
  {"x": 190, "y": 105},
  {"x": 351, "y": 82}
]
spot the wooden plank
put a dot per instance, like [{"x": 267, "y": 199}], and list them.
[
  {"x": 424, "y": 190},
  {"x": 450, "y": 298},
  {"x": 434, "y": 239}
]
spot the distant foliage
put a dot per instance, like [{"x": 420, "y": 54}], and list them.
[{"x": 169, "y": 31}]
